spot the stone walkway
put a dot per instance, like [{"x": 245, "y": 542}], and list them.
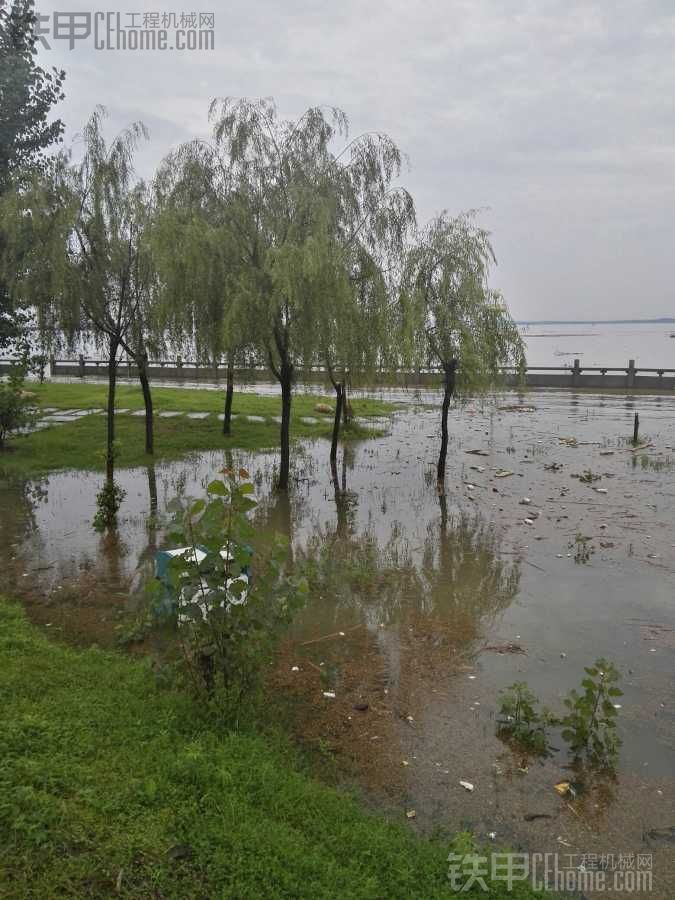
[{"x": 51, "y": 416}]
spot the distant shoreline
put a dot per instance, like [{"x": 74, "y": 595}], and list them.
[{"x": 665, "y": 321}]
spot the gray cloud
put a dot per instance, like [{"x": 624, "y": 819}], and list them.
[{"x": 558, "y": 116}]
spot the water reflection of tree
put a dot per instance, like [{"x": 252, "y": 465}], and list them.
[
  {"x": 460, "y": 580},
  {"x": 19, "y": 500},
  {"x": 392, "y": 627},
  {"x": 463, "y": 577},
  {"x": 21, "y": 542}
]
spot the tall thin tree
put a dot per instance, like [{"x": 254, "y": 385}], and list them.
[{"x": 462, "y": 324}]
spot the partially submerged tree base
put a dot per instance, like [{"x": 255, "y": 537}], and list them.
[
  {"x": 450, "y": 369},
  {"x": 108, "y": 501}
]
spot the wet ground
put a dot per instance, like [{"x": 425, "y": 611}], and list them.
[{"x": 423, "y": 599}]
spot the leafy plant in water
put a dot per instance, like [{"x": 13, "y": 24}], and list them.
[
  {"x": 522, "y": 722},
  {"x": 588, "y": 477},
  {"x": 228, "y": 621},
  {"x": 583, "y": 548},
  {"x": 590, "y": 725},
  {"x": 108, "y": 501}
]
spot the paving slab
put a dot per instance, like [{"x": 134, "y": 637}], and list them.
[
  {"x": 36, "y": 426},
  {"x": 198, "y": 415},
  {"x": 255, "y": 419},
  {"x": 62, "y": 418},
  {"x": 138, "y": 413},
  {"x": 170, "y": 414},
  {"x": 309, "y": 420}
]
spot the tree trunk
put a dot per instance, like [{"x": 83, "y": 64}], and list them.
[
  {"x": 152, "y": 490},
  {"x": 229, "y": 391},
  {"x": 142, "y": 362},
  {"x": 449, "y": 368},
  {"x": 346, "y": 405},
  {"x": 286, "y": 380},
  {"x": 339, "y": 394},
  {"x": 110, "y": 437}
]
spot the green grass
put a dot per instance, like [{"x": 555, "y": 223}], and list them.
[
  {"x": 81, "y": 444},
  {"x": 81, "y": 395},
  {"x": 112, "y": 786}
]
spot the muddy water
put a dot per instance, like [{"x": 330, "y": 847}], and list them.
[{"x": 417, "y": 595}]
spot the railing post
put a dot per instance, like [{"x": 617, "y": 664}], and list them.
[
  {"x": 576, "y": 372},
  {"x": 80, "y": 364},
  {"x": 52, "y": 366},
  {"x": 630, "y": 372}
]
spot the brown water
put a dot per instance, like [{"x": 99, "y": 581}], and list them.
[{"x": 419, "y": 590}]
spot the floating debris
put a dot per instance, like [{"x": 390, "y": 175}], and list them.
[
  {"x": 467, "y": 785},
  {"x": 508, "y": 647}
]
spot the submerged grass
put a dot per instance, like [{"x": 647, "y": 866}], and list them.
[
  {"x": 85, "y": 395},
  {"x": 81, "y": 444},
  {"x": 113, "y": 786}
]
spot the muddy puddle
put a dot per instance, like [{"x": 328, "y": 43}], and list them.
[{"x": 554, "y": 544}]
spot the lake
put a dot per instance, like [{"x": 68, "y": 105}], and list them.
[{"x": 611, "y": 345}]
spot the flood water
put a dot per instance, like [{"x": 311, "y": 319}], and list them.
[{"x": 422, "y": 597}]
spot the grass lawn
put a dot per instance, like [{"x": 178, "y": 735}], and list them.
[
  {"x": 81, "y": 444},
  {"x": 85, "y": 395},
  {"x": 112, "y": 786}
]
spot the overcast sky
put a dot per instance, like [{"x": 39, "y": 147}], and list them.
[{"x": 557, "y": 117}]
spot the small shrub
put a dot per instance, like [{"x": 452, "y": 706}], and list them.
[
  {"x": 522, "y": 722},
  {"x": 15, "y": 406},
  {"x": 108, "y": 501},
  {"x": 590, "y": 725},
  {"x": 229, "y": 622},
  {"x": 589, "y": 728}
]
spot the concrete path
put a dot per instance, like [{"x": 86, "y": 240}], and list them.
[{"x": 51, "y": 416}]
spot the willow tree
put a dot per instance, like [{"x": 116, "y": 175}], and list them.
[
  {"x": 369, "y": 235},
  {"x": 353, "y": 332},
  {"x": 27, "y": 132},
  {"x": 91, "y": 224},
  {"x": 462, "y": 324},
  {"x": 301, "y": 205},
  {"x": 142, "y": 334},
  {"x": 202, "y": 282}
]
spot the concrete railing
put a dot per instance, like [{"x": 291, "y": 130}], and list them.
[{"x": 629, "y": 377}]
